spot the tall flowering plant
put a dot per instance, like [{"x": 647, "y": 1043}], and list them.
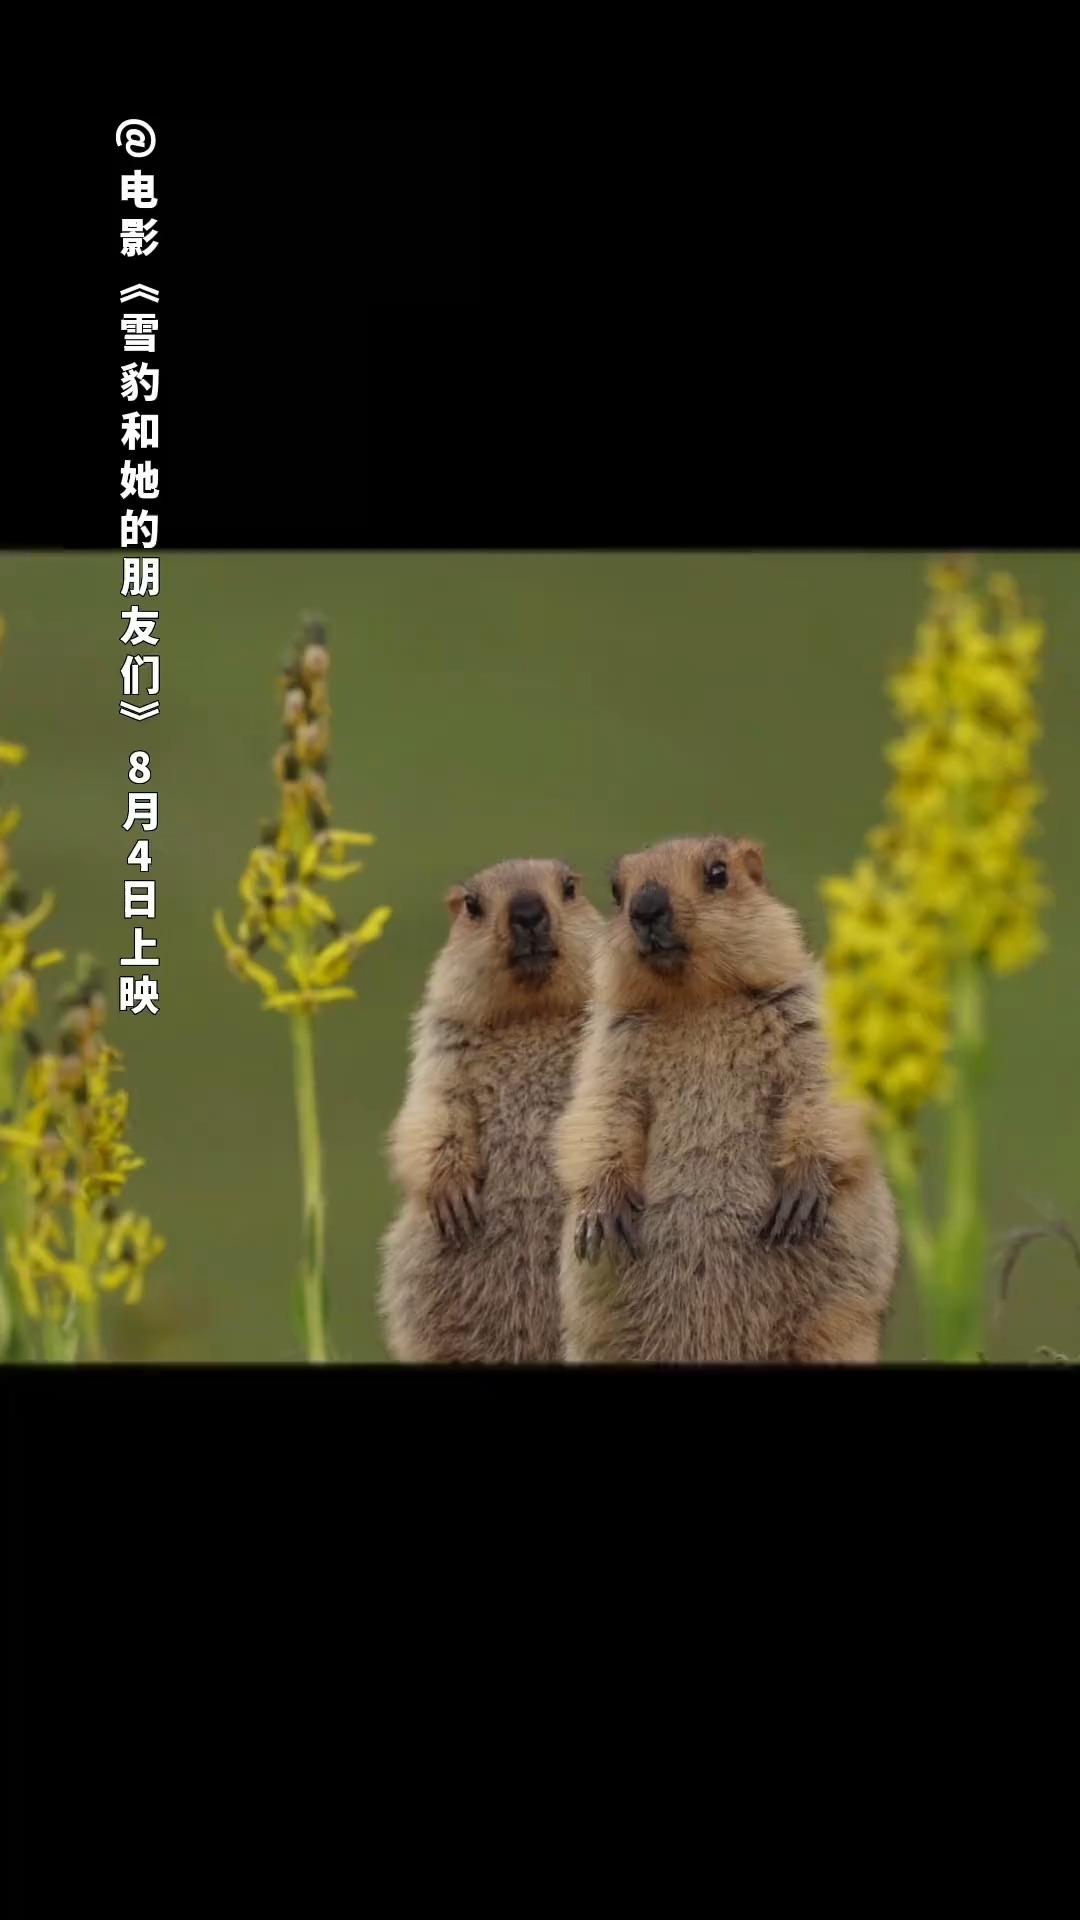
[
  {"x": 67, "y": 1238},
  {"x": 287, "y": 914},
  {"x": 947, "y": 891}
]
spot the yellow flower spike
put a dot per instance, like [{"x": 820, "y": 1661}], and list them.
[
  {"x": 9, "y": 821},
  {"x": 949, "y": 878},
  {"x": 50, "y": 959},
  {"x": 11, "y": 755},
  {"x": 331, "y": 871}
]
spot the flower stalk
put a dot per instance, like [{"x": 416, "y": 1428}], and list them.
[
  {"x": 946, "y": 892},
  {"x": 313, "y": 1256},
  {"x": 286, "y": 913},
  {"x": 64, "y": 1159}
]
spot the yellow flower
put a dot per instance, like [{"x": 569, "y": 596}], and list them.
[
  {"x": 130, "y": 1249},
  {"x": 71, "y": 1153},
  {"x": 20, "y": 1264},
  {"x": 18, "y": 1002},
  {"x": 337, "y": 838},
  {"x": 313, "y": 908},
  {"x": 323, "y": 856},
  {"x": 28, "y": 923},
  {"x": 1013, "y": 945},
  {"x": 239, "y": 959},
  {"x": 950, "y": 576},
  {"x": 334, "y": 962},
  {"x": 1002, "y": 586},
  {"x": 45, "y": 1277}
]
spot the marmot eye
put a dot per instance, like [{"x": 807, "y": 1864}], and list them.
[
  {"x": 568, "y": 889},
  {"x": 716, "y": 874},
  {"x": 473, "y": 906},
  {"x": 616, "y": 893}
]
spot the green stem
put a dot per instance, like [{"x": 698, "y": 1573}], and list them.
[
  {"x": 918, "y": 1238},
  {"x": 13, "y": 1199},
  {"x": 9, "y": 1045},
  {"x": 8, "y": 1042},
  {"x": 960, "y": 1307},
  {"x": 312, "y": 1282},
  {"x": 89, "y": 1311},
  {"x": 57, "y": 1346},
  {"x": 7, "y": 1317}
]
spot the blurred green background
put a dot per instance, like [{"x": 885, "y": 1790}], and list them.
[{"x": 484, "y": 705}]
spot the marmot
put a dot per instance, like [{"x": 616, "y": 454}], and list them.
[
  {"x": 471, "y": 1264},
  {"x": 725, "y": 1206}
]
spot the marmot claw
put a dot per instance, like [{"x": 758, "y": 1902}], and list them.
[
  {"x": 598, "y": 1226},
  {"x": 800, "y": 1212},
  {"x": 455, "y": 1211}
]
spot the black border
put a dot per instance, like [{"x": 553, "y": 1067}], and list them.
[{"x": 468, "y": 333}]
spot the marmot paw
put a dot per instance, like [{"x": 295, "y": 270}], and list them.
[
  {"x": 455, "y": 1209},
  {"x": 801, "y": 1209},
  {"x": 606, "y": 1220}
]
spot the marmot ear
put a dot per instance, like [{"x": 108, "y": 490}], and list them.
[
  {"x": 753, "y": 857},
  {"x": 454, "y": 901}
]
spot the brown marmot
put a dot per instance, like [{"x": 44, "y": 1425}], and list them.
[
  {"x": 725, "y": 1206},
  {"x": 471, "y": 1264}
]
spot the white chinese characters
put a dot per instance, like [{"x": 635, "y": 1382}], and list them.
[
  {"x": 140, "y": 669},
  {"x": 138, "y": 237}
]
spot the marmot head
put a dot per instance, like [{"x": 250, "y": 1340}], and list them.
[
  {"x": 521, "y": 944},
  {"x": 696, "y": 920}
]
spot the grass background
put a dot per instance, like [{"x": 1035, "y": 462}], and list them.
[{"x": 484, "y": 705}]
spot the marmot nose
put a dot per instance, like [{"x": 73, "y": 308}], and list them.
[
  {"x": 527, "y": 910},
  {"x": 649, "y": 904}
]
